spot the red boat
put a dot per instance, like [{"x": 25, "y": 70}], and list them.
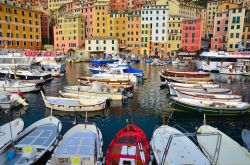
[
  {"x": 186, "y": 74},
  {"x": 129, "y": 147}
]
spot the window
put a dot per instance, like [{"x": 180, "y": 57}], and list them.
[
  {"x": 218, "y": 29},
  {"x": 231, "y": 46},
  {"x": 231, "y": 35},
  {"x": 237, "y": 35},
  {"x": 113, "y": 48},
  {"x": 238, "y": 26},
  {"x": 236, "y": 45}
]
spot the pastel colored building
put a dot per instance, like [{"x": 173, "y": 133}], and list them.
[
  {"x": 20, "y": 26},
  {"x": 174, "y": 30},
  {"x": 56, "y": 4},
  {"x": 235, "y": 28},
  {"x": 117, "y": 25},
  {"x": 69, "y": 7},
  {"x": 108, "y": 45},
  {"x": 87, "y": 10},
  {"x": 101, "y": 18},
  {"x": 155, "y": 18},
  {"x": 203, "y": 16},
  {"x": 117, "y": 5},
  {"x": 45, "y": 29},
  {"x": 246, "y": 31},
  {"x": 191, "y": 34},
  {"x": 69, "y": 33},
  {"x": 134, "y": 31}
]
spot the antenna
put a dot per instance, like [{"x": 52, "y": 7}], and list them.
[{"x": 204, "y": 119}]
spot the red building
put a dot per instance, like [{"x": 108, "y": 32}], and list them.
[
  {"x": 118, "y": 5},
  {"x": 45, "y": 30},
  {"x": 191, "y": 34},
  {"x": 87, "y": 10}
]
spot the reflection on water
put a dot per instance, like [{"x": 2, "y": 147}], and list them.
[{"x": 145, "y": 109}]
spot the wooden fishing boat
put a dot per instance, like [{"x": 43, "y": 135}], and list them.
[
  {"x": 186, "y": 74},
  {"x": 173, "y": 89},
  {"x": 126, "y": 86},
  {"x": 82, "y": 144},
  {"x": 79, "y": 96},
  {"x": 188, "y": 81},
  {"x": 170, "y": 146},
  {"x": 230, "y": 152},
  {"x": 32, "y": 143},
  {"x": 195, "y": 95},
  {"x": 210, "y": 106},
  {"x": 245, "y": 135},
  {"x": 9, "y": 132},
  {"x": 173, "y": 79},
  {"x": 74, "y": 105},
  {"x": 107, "y": 80},
  {"x": 129, "y": 146},
  {"x": 194, "y": 85},
  {"x": 99, "y": 92},
  {"x": 17, "y": 86}
]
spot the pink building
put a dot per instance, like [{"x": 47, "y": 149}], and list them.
[
  {"x": 87, "y": 10},
  {"x": 191, "y": 34},
  {"x": 219, "y": 39},
  {"x": 117, "y": 5}
]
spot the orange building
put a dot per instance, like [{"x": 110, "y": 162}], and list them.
[
  {"x": 20, "y": 26},
  {"x": 134, "y": 32}
]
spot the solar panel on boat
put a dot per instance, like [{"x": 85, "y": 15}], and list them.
[{"x": 79, "y": 143}]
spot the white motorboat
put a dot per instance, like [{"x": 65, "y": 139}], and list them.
[
  {"x": 230, "y": 152},
  {"x": 95, "y": 90},
  {"x": 173, "y": 89},
  {"x": 32, "y": 143},
  {"x": 9, "y": 132},
  {"x": 245, "y": 135},
  {"x": 82, "y": 144},
  {"x": 232, "y": 69},
  {"x": 207, "y": 96},
  {"x": 11, "y": 100},
  {"x": 17, "y": 86},
  {"x": 74, "y": 105},
  {"x": 170, "y": 146}
]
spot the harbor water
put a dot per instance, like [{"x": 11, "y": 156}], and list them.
[{"x": 146, "y": 109}]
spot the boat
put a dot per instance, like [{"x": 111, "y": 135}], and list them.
[
  {"x": 245, "y": 135},
  {"x": 96, "y": 90},
  {"x": 172, "y": 90},
  {"x": 9, "y": 132},
  {"x": 82, "y": 144},
  {"x": 79, "y": 96},
  {"x": 229, "y": 152},
  {"x": 186, "y": 74},
  {"x": 32, "y": 143},
  {"x": 175, "y": 61},
  {"x": 106, "y": 80},
  {"x": 120, "y": 86},
  {"x": 17, "y": 86},
  {"x": 148, "y": 61},
  {"x": 101, "y": 62},
  {"x": 211, "y": 61},
  {"x": 187, "y": 85},
  {"x": 232, "y": 69},
  {"x": 11, "y": 100},
  {"x": 157, "y": 62},
  {"x": 207, "y": 96},
  {"x": 173, "y": 79},
  {"x": 171, "y": 146},
  {"x": 213, "y": 107},
  {"x": 190, "y": 81},
  {"x": 183, "y": 63},
  {"x": 129, "y": 146},
  {"x": 74, "y": 105}
]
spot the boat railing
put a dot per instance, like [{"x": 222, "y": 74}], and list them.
[{"x": 213, "y": 160}]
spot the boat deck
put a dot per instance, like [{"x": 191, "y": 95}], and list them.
[{"x": 78, "y": 144}]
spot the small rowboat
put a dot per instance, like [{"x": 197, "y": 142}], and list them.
[
  {"x": 32, "y": 143},
  {"x": 173, "y": 79},
  {"x": 195, "y": 95},
  {"x": 129, "y": 146},
  {"x": 180, "y": 149},
  {"x": 82, "y": 144},
  {"x": 10, "y": 131},
  {"x": 89, "y": 91},
  {"x": 173, "y": 89},
  {"x": 18, "y": 86},
  {"x": 106, "y": 80},
  {"x": 186, "y": 74},
  {"x": 79, "y": 96},
  {"x": 229, "y": 153},
  {"x": 210, "y": 106},
  {"x": 245, "y": 134},
  {"x": 74, "y": 105},
  {"x": 194, "y": 85},
  {"x": 189, "y": 81}
]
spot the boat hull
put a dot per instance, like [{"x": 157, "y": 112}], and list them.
[
  {"x": 186, "y": 74},
  {"x": 207, "y": 110},
  {"x": 20, "y": 89}
]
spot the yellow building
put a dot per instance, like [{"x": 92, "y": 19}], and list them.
[
  {"x": 235, "y": 28},
  {"x": 20, "y": 26},
  {"x": 56, "y": 4},
  {"x": 101, "y": 17},
  {"x": 117, "y": 27},
  {"x": 69, "y": 33},
  {"x": 146, "y": 32},
  {"x": 174, "y": 30},
  {"x": 246, "y": 31}
]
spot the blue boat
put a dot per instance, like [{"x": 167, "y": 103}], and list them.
[
  {"x": 136, "y": 61},
  {"x": 148, "y": 61},
  {"x": 97, "y": 70},
  {"x": 102, "y": 62}
]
